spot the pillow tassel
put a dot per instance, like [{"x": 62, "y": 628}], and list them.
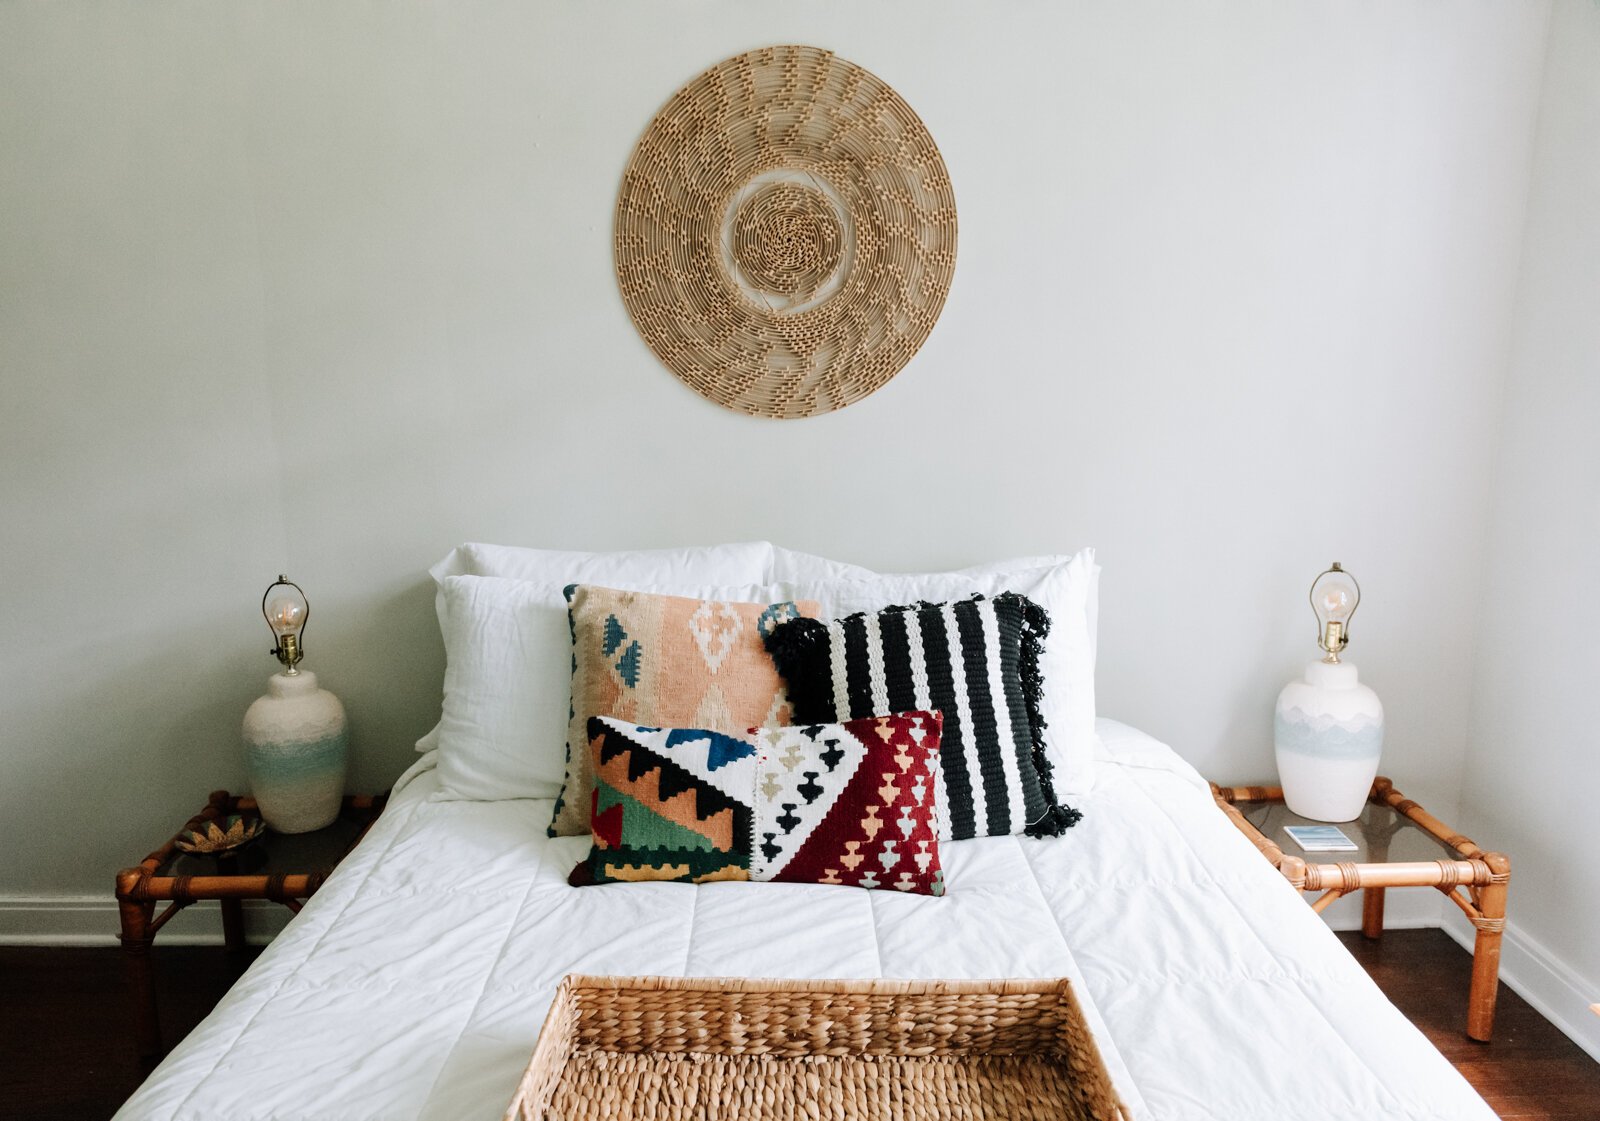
[
  {"x": 1056, "y": 821},
  {"x": 791, "y": 645},
  {"x": 1058, "y": 818}
]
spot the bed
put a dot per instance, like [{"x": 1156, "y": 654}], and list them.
[{"x": 414, "y": 983}]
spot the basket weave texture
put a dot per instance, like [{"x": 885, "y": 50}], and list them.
[
  {"x": 668, "y": 1048},
  {"x": 785, "y": 233}
]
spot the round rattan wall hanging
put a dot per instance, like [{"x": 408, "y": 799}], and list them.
[{"x": 785, "y": 233}]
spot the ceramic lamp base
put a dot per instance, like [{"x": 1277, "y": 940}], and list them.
[
  {"x": 1328, "y": 733},
  {"x": 296, "y": 752},
  {"x": 1325, "y": 789}
]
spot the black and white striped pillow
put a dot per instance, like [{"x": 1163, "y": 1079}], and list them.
[{"x": 977, "y": 661}]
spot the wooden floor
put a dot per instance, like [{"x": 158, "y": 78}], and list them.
[
  {"x": 67, "y": 1055},
  {"x": 1530, "y": 1071}
]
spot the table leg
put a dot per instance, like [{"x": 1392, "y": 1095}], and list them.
[
  {"x": 1372, "y": 913},
  {"x": 233, "y": 925},
  {"x": 137, "y": 938},
  {"x": 1486, "y": 949}
]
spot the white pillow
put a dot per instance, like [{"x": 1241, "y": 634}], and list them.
[
  {"x": 793, "y": 566},
  {"x": 508, "y": 682},
  {"x": 1065, "y": 586},
  {"x": 554, "y": 569},
  {"x": 508, "y": 673},
  {"x": 700, "y": 565},
  {"x": 502, "y": 732}
]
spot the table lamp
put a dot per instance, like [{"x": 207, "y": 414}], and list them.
[
  {"x": 1328, "y": 728},
  {"x": 295, "y": 736}
]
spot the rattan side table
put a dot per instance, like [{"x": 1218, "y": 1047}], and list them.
[
  {"x": 1399, "y": 844},
  {"x": 286, "y": 868}
]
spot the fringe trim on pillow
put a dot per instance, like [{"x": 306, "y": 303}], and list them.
[
  {"x": 1056, "y": 821},
  {"x": 1057, "y": 818}
]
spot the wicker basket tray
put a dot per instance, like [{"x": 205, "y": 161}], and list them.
[{"x": 667, "y": 1048}]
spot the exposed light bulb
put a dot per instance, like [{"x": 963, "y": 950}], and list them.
[
  {"x": 1334, "y": 596},
  {"x": 284, "y": 614},
  {"x": 286, "y": 610},
  {"x": 1336, "y": 599}
]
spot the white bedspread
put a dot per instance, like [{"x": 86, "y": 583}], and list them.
[{"x": 412, "y": 986}]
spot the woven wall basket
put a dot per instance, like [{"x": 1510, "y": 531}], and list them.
[{"x": 785, "y": 233}]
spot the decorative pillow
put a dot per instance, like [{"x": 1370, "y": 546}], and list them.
[
  {"x": 852, "y": 803},
  {"x": 663, "y": 661},
  {"x": 978, "y": 662},
  {"x": 1067, "y": 587},
  {"x": 668, "y": 804}
]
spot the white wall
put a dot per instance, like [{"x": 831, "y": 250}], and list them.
[
  {"x": 325, "y": 289},
  {"x": 1532, "y": 783}
]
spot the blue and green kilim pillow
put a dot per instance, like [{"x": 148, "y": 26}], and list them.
[{"x": 668, "y": 804}]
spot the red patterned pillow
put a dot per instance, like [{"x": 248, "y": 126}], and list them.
[{"x": 852, "y": 803}]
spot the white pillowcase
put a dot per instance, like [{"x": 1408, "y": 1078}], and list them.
[
  {"x": 791, "y": 565},
  {"x": 550, "y": 570},
  {"x": 508, "y": 661},
  {"x": 508, "y": 685},
  {"x": 695, "y": 565},
  {"x": 508, "y": 676},
  {"x": 1067, "y": 587}
]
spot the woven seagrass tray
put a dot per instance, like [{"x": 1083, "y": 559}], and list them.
[{"x": 667, "y": 1048}]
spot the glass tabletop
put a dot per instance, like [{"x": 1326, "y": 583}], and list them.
[
  {"x": 1381, "y": 835},
  {"x": 272, "y": 853}
]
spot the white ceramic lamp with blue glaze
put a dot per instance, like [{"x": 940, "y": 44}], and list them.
[
  {"x": 295, "y": 736},
  {"x": 1328, "y": 729}
]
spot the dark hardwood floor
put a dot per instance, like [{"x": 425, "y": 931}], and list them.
[
  {"x": 1530, "y": 1070},
  {"x": 68, "y": 1052},
  {"x": 68, "y": 1057}
]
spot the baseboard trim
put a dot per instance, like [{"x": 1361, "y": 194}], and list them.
[
  {"x": 91, "y": 920},
  {"x": 1539, "y": 977}
]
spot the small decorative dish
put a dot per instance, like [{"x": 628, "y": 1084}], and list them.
[{"x": 221, "y": 836}]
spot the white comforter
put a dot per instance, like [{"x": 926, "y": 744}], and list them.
[{"x": 413, "y": 985}]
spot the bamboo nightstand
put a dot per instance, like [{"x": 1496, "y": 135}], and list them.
[
  {"x": 283, "y": 867},
  {"x": 1399, "y": 844}
]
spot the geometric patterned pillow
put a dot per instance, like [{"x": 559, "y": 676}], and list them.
[
  {"x": 664, "y": 661},
  {"x": 852, "y": 803},
  {"x": 668, "y": 804},
  {"x": 977, "y": 662}
]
